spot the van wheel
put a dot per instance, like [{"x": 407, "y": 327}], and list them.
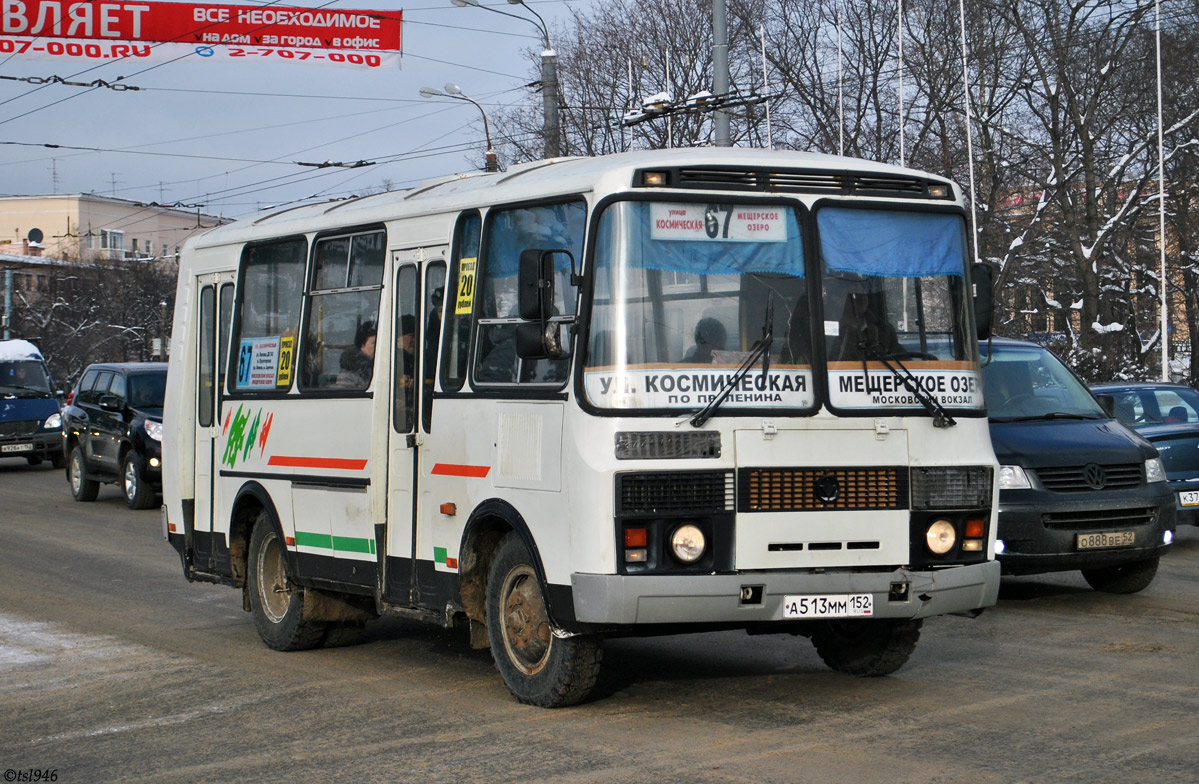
[
  {"x": 538, "y": 667},
  {"x": 866, "y": 647},
  {"x": 1125, "y": 578},
  {"x": 138, "y": 494},
  {"x": 58, "y": 459},
  {"x": 82, "y": 488},
  {"x": 276, "y": 604},
  {"x": 34, "y": 460}
]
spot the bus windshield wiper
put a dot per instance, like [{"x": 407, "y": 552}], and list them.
[
  {"x": 941, "y": 417},
  {"x": 760, "y": 349}
]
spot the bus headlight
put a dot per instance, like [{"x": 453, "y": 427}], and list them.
[
  {"x": 941, "y": 536},
  {"x": 687, "y": 543}
]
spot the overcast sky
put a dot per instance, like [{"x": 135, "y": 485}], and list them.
[{"x": 269, "y": 115}]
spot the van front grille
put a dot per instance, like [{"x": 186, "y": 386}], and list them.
[
  {"x": 22, "y": 428},
  {"x": 1084, "y": 478},
  {"x": 1095, "y": 519}
]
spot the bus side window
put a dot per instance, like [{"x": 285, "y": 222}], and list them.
[
  {"x": 224, "y": 323},
  {"x": 404, "y": 372},
  {"x": 204, "y": 389},
  {"x": 434, "y": 306},
  {"x": 268, "y": 300},
  {"x": 343, "y": 312},
  {"x": 509, "y": 233},
  {"x": 460, "y": 308}
]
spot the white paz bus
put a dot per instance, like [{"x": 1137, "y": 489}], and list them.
[{"x": 647, "y": 393}]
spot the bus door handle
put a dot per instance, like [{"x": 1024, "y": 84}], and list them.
[{"x": 413, "y": 440}]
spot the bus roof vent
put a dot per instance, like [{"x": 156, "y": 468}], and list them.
[{"x": 847, "y": 183}]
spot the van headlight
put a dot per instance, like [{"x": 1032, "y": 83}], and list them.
[
  {"x": 53, "y": 422},
  {"x": 1154, "y": 470},
  {"x": 1013, "y": 478},
  {"x": 153, "y": 429}
]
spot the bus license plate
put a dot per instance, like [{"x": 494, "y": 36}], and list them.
[
  {"x": 840, "y": 605},
  {"x": 1106, "y": 539},
  {"x": 16, "y": 448},
  {"x": 1189, "y": 498}
]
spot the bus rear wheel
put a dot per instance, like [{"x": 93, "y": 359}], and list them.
[
  {"x": 866, "y": 647},
  {"x": 538, "y": 667},
  {"x": 276, "y": 604}
]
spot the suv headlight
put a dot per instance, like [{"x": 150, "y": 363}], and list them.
[
  {"x": 1154, "y": 470},
  {"x": 1013, "y": 478},
  {"x": 153, "y": 429},
  {"x": 53, "y": 422}
]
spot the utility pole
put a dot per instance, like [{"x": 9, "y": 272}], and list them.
[{"x": 720, "y": 70}]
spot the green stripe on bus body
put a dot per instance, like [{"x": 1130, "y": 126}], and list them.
[{"x": 345, "y": 544}]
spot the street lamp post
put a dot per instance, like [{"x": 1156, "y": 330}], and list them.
[
  {"x": 549, "y": 74},
  {"x": 492, "y": 163}
]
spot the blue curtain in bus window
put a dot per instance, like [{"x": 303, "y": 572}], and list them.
[
  {"x": 885, "y": 243},
  {"x": 714, "y": 256},
  {"x": 549, "y": 227}
]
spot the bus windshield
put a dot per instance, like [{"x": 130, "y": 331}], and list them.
[
  {"x": 683, "y": 292},
  {"x": 896, "y": 312}
]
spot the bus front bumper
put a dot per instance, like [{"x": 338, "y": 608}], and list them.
[{"x": 661, "y": 599}]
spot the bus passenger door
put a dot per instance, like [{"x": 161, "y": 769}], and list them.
[
  {"x": 415, "y": 333},
  {"x": 398, "y": 550},
  {"x": 212, "y": 336}
]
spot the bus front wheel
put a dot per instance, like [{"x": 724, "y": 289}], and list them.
[
  {"x": 866, "y": 648},
  {"x": 276, "y": 604},
  {"x": 538, "y": 667}
]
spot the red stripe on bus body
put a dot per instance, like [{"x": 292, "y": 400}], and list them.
[
  {"x": 341, "y": 463},
  {"x": 450, "y": 469}
]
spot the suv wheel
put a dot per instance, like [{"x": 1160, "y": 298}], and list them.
[
  {"x": 82, "y": 488},
  {"x": 138, "y": 495}
]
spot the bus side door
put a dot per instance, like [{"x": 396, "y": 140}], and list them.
[
  {"x": 212, "y": 337},
  {"x": 416, "y": 331}
]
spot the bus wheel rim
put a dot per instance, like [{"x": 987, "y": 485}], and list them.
[{"x": 525, "y": 622}]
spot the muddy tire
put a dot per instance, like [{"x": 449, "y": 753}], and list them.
[
  {"x": 1125, "y": 578},
  {"x": 866, "y": 647},
  {"x": 276, "y": 604},
  {"x": 538, "y": 667},
  {"x": 82, "y": 488},
  {"x": 138, "y": 494}
]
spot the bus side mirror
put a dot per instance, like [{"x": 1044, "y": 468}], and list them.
[
  {"x": 982, "y": 283},
  {"x": 536, "y": 284},
  {"x": 542, "y": 338}
]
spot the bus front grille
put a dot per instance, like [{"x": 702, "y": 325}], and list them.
[
  {"x": 669, "y": 492},
  {"x": 822, "y": 489}
]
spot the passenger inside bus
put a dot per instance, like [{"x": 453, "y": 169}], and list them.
[
  {"x": 864, "y": 332},
  {"x": 710, "y": 336},
  {"x": 406, "y": 343},
  {"x": 358, "y": 361}
]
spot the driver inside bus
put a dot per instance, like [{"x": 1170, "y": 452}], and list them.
[{"x": 864, "y": 332}]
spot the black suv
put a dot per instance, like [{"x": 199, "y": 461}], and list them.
[{"x": 112, "y": 431}]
